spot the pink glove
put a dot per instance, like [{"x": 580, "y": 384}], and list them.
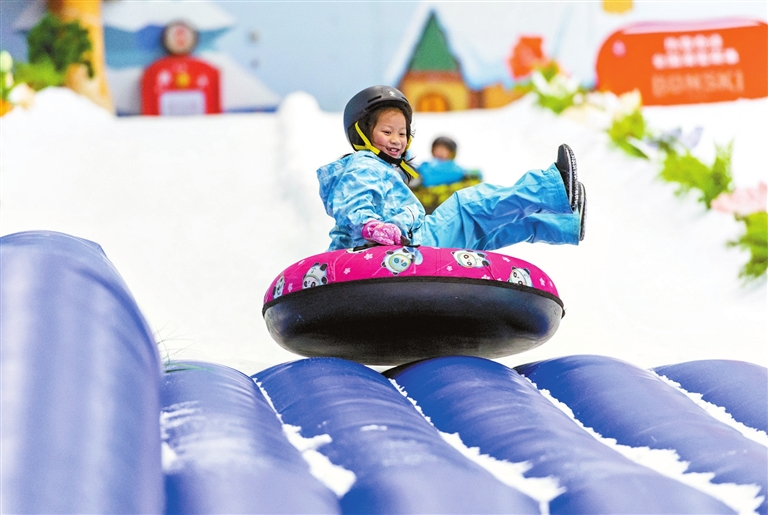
[{"x": 382, "y": 233}]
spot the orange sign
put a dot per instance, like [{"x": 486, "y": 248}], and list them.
[{"x": 687, "y": 63}]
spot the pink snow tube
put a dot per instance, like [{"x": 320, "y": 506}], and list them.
[{"x": 388, "y": 305}]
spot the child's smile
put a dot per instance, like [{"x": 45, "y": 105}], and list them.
[{"x": 390, "y": 133}]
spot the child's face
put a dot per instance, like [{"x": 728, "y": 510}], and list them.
[
  {"x": 390, "y": 133},
  {"x": 442, "y": 152}
]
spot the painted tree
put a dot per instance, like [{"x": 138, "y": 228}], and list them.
[{"x": 88, "y": 14}]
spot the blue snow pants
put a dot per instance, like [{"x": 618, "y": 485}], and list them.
[{"x": 489, "y": 217}]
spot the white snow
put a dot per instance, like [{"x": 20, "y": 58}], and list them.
[
  {"x": 216, "y": 447},
  {"x": 743, "y": 499},
  {"x": 373, "y": 427},
  {"x": 335, "y": 477},
  {"x": 541, "y": 489},
  {"x": 720, "y": 413},
  {"x": 212, "y": 448},
  {"x": 199, "y": 214}
]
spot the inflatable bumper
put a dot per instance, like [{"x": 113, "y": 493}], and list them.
[{"x": 80, "y": 375}]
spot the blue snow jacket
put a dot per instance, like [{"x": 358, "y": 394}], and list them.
[
  {"x": 360, "y": 187},
  {"x": 439, "y": 171}
]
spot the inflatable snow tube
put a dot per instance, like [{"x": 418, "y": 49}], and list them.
[{"x": 388, "y": 305}]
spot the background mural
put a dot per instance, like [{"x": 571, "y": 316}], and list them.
[{"x": 478, "y": 53}]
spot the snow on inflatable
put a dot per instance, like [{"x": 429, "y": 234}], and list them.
[{"x": 388, "y": 305}]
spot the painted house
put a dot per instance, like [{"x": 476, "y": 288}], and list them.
[
  {"x": 434, "y": 79},
  {"x": 133, "y": 42}
]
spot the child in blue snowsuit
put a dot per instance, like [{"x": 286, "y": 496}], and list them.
[
  {"x": 442, "y": 168},
  {"x": 367, "y": 194}
]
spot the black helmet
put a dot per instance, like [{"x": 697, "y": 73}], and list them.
[
  {"x": 368, "y": 99},
  {"x": 446, "y": 142}
]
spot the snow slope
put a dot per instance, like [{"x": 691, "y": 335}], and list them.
[{"x": 199, "y": 214}]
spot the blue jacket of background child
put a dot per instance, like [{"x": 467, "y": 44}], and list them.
[
  {"x": 440, "y": 171},
  {"x": 360, "y": 187}
]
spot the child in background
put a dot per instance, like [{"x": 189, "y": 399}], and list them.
[
  {"x": 367, "y": 193},
  {"x": 440, "y": 177},
  {"x": 443, "y": 169}
]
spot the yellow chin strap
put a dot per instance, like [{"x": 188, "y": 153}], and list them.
[{"x": 368, "y": 146}]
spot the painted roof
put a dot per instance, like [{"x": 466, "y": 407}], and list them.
[
  {"x": 206, "y": 16},
  {"x": 124, "y": 15},
  {"x": 143, "y": 47},
  {"x": 432, "y": 53}
]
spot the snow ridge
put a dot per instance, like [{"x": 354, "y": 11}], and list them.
[
  {"x": 744, "y": 499},
  {"x": 209, "y": 449},
  {"x": 541, "y": 489},
  {"x": 335, "y": 477},
  {"x": 720, "y": 413}
]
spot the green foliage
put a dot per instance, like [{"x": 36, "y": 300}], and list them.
[
  {"x": 755, "y": 240},
  {"x": 6, "y": 84},
  {"x": 6, "y": 77},
  {"x": 554, "y": 91},
  {"x": 549, "y": 71},
  {"x": 631, "y": 134},
  {"x": 39, "y": 75},
  {"x": 53, "y": 42},
  {"x": 690, "y": 173},
  {"x": 556, "y": 103},
  {"x": 522, "y": 88},
  {"x": 627, "y": 130}
]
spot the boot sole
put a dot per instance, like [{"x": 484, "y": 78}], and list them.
[
  {"x": 582, "y": 207},
  {"x": 566, "y": 161}
]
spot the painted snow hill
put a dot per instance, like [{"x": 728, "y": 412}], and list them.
[{"x": 93, "y": 423}]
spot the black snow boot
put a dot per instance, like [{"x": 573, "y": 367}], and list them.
[
  {"x": 566, "y": 164},
  {"x": 582, "y": 207}
]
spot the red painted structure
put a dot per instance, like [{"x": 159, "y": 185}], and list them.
[
  {"x": 687, "y": 62},
  {"x": 180, "y": 85}
]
